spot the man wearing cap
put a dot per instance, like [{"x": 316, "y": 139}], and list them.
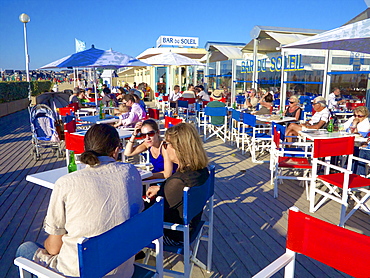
[{"x": 318, "y": 120}]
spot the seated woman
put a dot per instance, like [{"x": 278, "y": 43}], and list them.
[
  {"x": 153, "y": 144},
  {"x": 266, "y": 103},
  {"x": 359, "y": 122},
  {"x": 293, "y": 109},
  {"x": 87, "y": 203},
  {"x": 185, "y": 148},
  {"x": 318, "y": 120}
]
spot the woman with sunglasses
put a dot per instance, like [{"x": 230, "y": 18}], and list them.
[
  {"x": 185, "y": 148},
  {"x": 293, "y": 109},
  {"x": 153, "y": 144},
  {"x": 359, "y": 122},
  {"x": 87, "y": 203}
]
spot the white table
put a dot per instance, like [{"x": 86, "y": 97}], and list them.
[
  {"x": 268, "y": 119},
  {"x": 324, "y": 134},
  {"x": 48, "y": 178},
  {"x": 95, "y": 119},
  {"x": 123, "y": 133}
]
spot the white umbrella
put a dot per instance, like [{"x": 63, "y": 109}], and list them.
[
  {"x": 172, "y": 59},
  {"x": 351, "y": 37}
]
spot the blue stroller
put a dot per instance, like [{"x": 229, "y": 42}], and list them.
[{"x": 44, "y": 133}]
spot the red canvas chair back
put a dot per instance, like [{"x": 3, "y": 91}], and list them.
[
  {"x": 169, "y": 121},
  {"x": 276, "y": 138},
  {"x": 153, "y": 113},
  {"x": 353, "y": 105},
  {"x": 63, "y": 111},
  {"x": 156, "y": 94},
  {"x": 70, "y": 127},
  {"x": 333, "y": 147},
  {"x": 75, "y": 143},
  {"x": 165, "y": 98},
  {"x": 74, "y": 106},
  {"x": 332, "y": 245}
]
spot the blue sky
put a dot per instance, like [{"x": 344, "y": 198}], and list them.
[{"x": 131, "y": 26}]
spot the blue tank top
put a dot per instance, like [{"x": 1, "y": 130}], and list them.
[{"x": 158, "y": 163}]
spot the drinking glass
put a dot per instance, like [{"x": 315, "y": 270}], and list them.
[{"x": 341, "y": 128}]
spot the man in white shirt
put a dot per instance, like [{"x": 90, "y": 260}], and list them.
[
  {"x": 201, "y": 94},
  {"x": 175, "y": 94},
  {"x": 332, "y": 102},
  {"x": 318, "y": 120}
]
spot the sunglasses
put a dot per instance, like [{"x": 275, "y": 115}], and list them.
[
  {"x": 150, "y": 134},
  {"x": 291, "y": 101},
  {"x": 165, "y": 144},
  {"x": 358, "y": 116}
]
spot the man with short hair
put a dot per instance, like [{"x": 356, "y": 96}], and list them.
[
  {"x": 136, "y": 113},
  {"x": 332, "y": 100}
]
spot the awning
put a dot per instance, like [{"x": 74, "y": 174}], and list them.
[
  {"x": 222, "y": 53},
  {"x": 286, "y": 38}
]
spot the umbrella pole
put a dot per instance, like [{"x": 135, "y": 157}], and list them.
[{"x": 95, "y": 90}]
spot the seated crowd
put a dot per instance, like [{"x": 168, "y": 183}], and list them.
[{"x": 106, "y": 193}]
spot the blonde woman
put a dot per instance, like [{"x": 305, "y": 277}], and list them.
[
  {"x": 359, "y": 122},
  {"x": 185, "y": 148},
  {"x": 293, "y": 109}
]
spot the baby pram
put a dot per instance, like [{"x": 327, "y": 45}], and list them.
[{"x": 44, "y": 133}]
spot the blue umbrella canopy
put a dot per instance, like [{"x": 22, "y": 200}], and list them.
[{"x": 97, "y": 58}]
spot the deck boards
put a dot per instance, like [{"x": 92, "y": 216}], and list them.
[{"x": 250, "y": 225}]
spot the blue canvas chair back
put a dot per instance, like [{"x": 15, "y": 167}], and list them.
[
  {"x": 195, "y": 198},
  {"x": 279, "y": 128},
  {"x": 198, "y": 106},
  {"x": 215, "y": 111},
  {"x": 308, "y": 108},
  {"x": 249, "y": 119},
  {"x": 240, "y": 99},
  {"x": 182, "y": 103},
  {"x": 235, "y": 115},
  {"x": 101, "y": 254},
  {"x": 276, "y": 102}
]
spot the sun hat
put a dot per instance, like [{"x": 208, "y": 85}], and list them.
[{"x": 217, "y": 94}]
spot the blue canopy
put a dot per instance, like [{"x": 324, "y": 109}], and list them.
[{"x": 96, "y": 58}]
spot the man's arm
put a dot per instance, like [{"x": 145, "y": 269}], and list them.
[{"x": 53, "y": 244}]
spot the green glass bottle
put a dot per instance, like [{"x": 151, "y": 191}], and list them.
[
  {"x": 234, "y": 105},
  {"x": 101, "y": 116},
  {"x": 111, "y": 103},
  {"x": 330, "y": 127},
  {"x": 72, "y": 166}
]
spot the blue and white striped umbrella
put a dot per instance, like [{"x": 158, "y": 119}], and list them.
[{"x": 96, "y": 58}]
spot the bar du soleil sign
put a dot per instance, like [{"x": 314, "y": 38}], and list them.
[{"x": 178, "y": 41}]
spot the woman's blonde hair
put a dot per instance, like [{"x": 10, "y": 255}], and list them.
[
  {"x": 362, "y": 109},
  {"x": 188, "y": 147},
  {"x": 295, "y": 99}
]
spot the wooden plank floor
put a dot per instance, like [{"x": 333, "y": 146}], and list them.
[{"x": 250, "y": 225}]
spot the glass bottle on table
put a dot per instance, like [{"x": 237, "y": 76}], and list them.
[
  {"x": 330, "y": 126},
  {"x": 72, "y": 166},
  {"x": 101, "y": 112}
]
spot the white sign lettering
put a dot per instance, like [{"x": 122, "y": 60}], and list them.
[{"x": 178, "y": 41}]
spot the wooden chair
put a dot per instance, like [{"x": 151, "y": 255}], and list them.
[
  {"x": 342, "y": 249},
  {"x": 99, "y": 255}
]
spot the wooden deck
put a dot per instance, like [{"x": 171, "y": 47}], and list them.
[{"x": 250, "y": 225}]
